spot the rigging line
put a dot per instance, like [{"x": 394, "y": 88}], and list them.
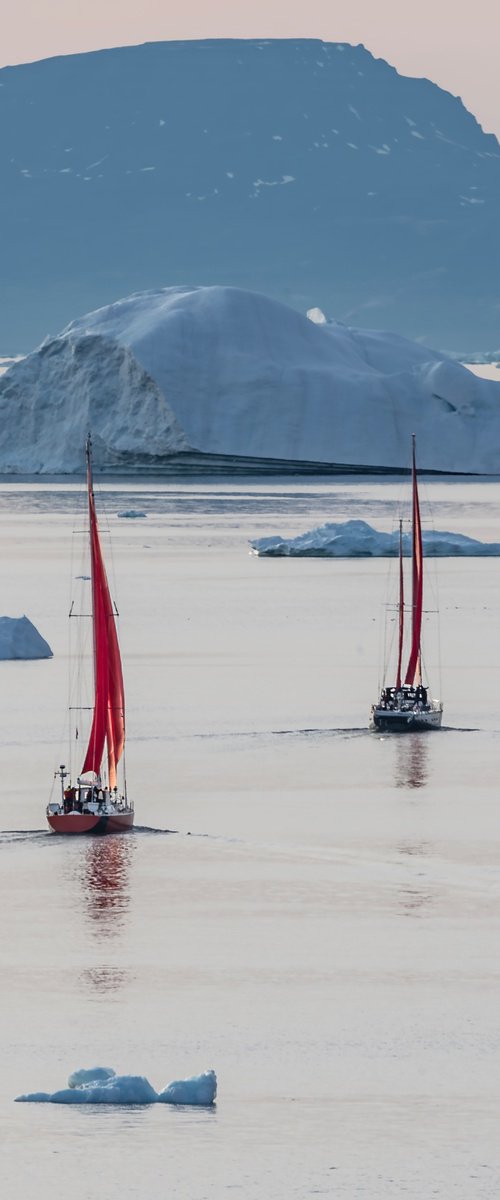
[
  {"x": 79, "y": 629},
  {"x": 67, "y": 714},
  {"x": 390, "y": 654},
  {"x": 76, "y": 550},
  {"x": 432, "y": 576},
  {"x": 440, "y": 673},
  {"x": 404, "y": 506},
  {"x": 382, "y": 641},
  {"x": 105, "y": 530}
]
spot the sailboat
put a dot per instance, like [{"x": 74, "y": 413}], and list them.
[
  {"x": 406, "y": 706},
  {"x": 95, "y": 802}
]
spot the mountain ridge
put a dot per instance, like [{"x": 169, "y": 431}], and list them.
[{"x": 311, "y": 171}]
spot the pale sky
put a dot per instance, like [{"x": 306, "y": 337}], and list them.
[{"x": 454, "y": 44}]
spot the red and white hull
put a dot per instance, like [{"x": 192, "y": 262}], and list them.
[{"x": 75, "y": 822}]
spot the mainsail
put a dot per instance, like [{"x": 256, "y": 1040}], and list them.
[
  {"x": 108, "y": 723},
  {"x": 414, "y": 669}
]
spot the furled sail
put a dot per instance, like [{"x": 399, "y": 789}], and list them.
[
  {"x": 414, "y": 669},
  {"x": 108, "y": 723}
]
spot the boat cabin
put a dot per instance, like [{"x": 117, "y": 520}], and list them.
[
  {"x": 404, "y": 698},
  {"x": 87, "y": 797}
]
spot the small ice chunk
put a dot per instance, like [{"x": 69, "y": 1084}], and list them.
[
  {"x": 317, "y": 316},
  {"x": 199, "y": 1089}
]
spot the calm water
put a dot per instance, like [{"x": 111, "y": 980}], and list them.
[{"x": 322, "y": 927}]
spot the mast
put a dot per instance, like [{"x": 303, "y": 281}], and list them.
[
  {"x": 414, "y": 669},
  {"x": 400, "y": 607},
  {"x": 108, "y": 725}
]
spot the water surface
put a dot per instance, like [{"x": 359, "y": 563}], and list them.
[{"x": 322, "y": 925}]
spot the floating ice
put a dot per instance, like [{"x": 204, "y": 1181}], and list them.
[
  {"x": 20, "y": 640},
  {"x": 100, "y": 1085},
  {"x": 179, "y": 373},
  {"x": 357, "y": 539},
  {"x": 199, "y": 1089}
]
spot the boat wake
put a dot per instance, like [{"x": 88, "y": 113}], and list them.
[
  {"x": 151, "y": 829},
  {"x": 12, "y": 836},
  {"x": 340, "y": 732}
]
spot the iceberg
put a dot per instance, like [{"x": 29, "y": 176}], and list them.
[
  {"x": 19, "y": 639},
  {"x": 199, "y": 1089},
  {"x": 216, "y": 378},
  {"x": 100, "y": 1085},
  {"x": 357, "y": 539}
]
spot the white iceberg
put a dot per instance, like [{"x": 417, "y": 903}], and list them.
[
  {"x": 220, "y": 378},
  {"x": 357, "y": 539},
  {"x": 100, "y": 1085},
  {"x": 20, "y": 640},
  {"x": 198, "y": 1089}
]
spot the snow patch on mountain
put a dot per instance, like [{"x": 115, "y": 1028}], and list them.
[{"x": 217, "y": 371}]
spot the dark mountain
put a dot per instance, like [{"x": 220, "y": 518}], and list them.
[{"x": 309, "y": 171}]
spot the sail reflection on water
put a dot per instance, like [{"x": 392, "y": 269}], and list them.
[
  {"x": 411, "y": 761},
  {"x": 105, "y": 880},
  {"x": 104, "y": 979}
]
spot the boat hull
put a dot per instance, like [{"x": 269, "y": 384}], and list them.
[
  {"x": 77, "y": 823},
  {"x": 404, "y": 721}
]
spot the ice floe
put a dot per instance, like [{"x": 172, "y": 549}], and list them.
[
  {"x": 357, "y": 539},
  {"x": 19, "y": 639},
  {"x": 100, "y": 1085}
]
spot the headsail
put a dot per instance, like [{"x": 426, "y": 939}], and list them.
[
  {"x": 108, "y": 724},
  {"x": 414, "y": 669}
]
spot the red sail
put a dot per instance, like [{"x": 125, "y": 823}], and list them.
[
  {"x": 413, "y": 672},
  {"x": 401, "y": 607},
  {"x": 109, "y": 705}
]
